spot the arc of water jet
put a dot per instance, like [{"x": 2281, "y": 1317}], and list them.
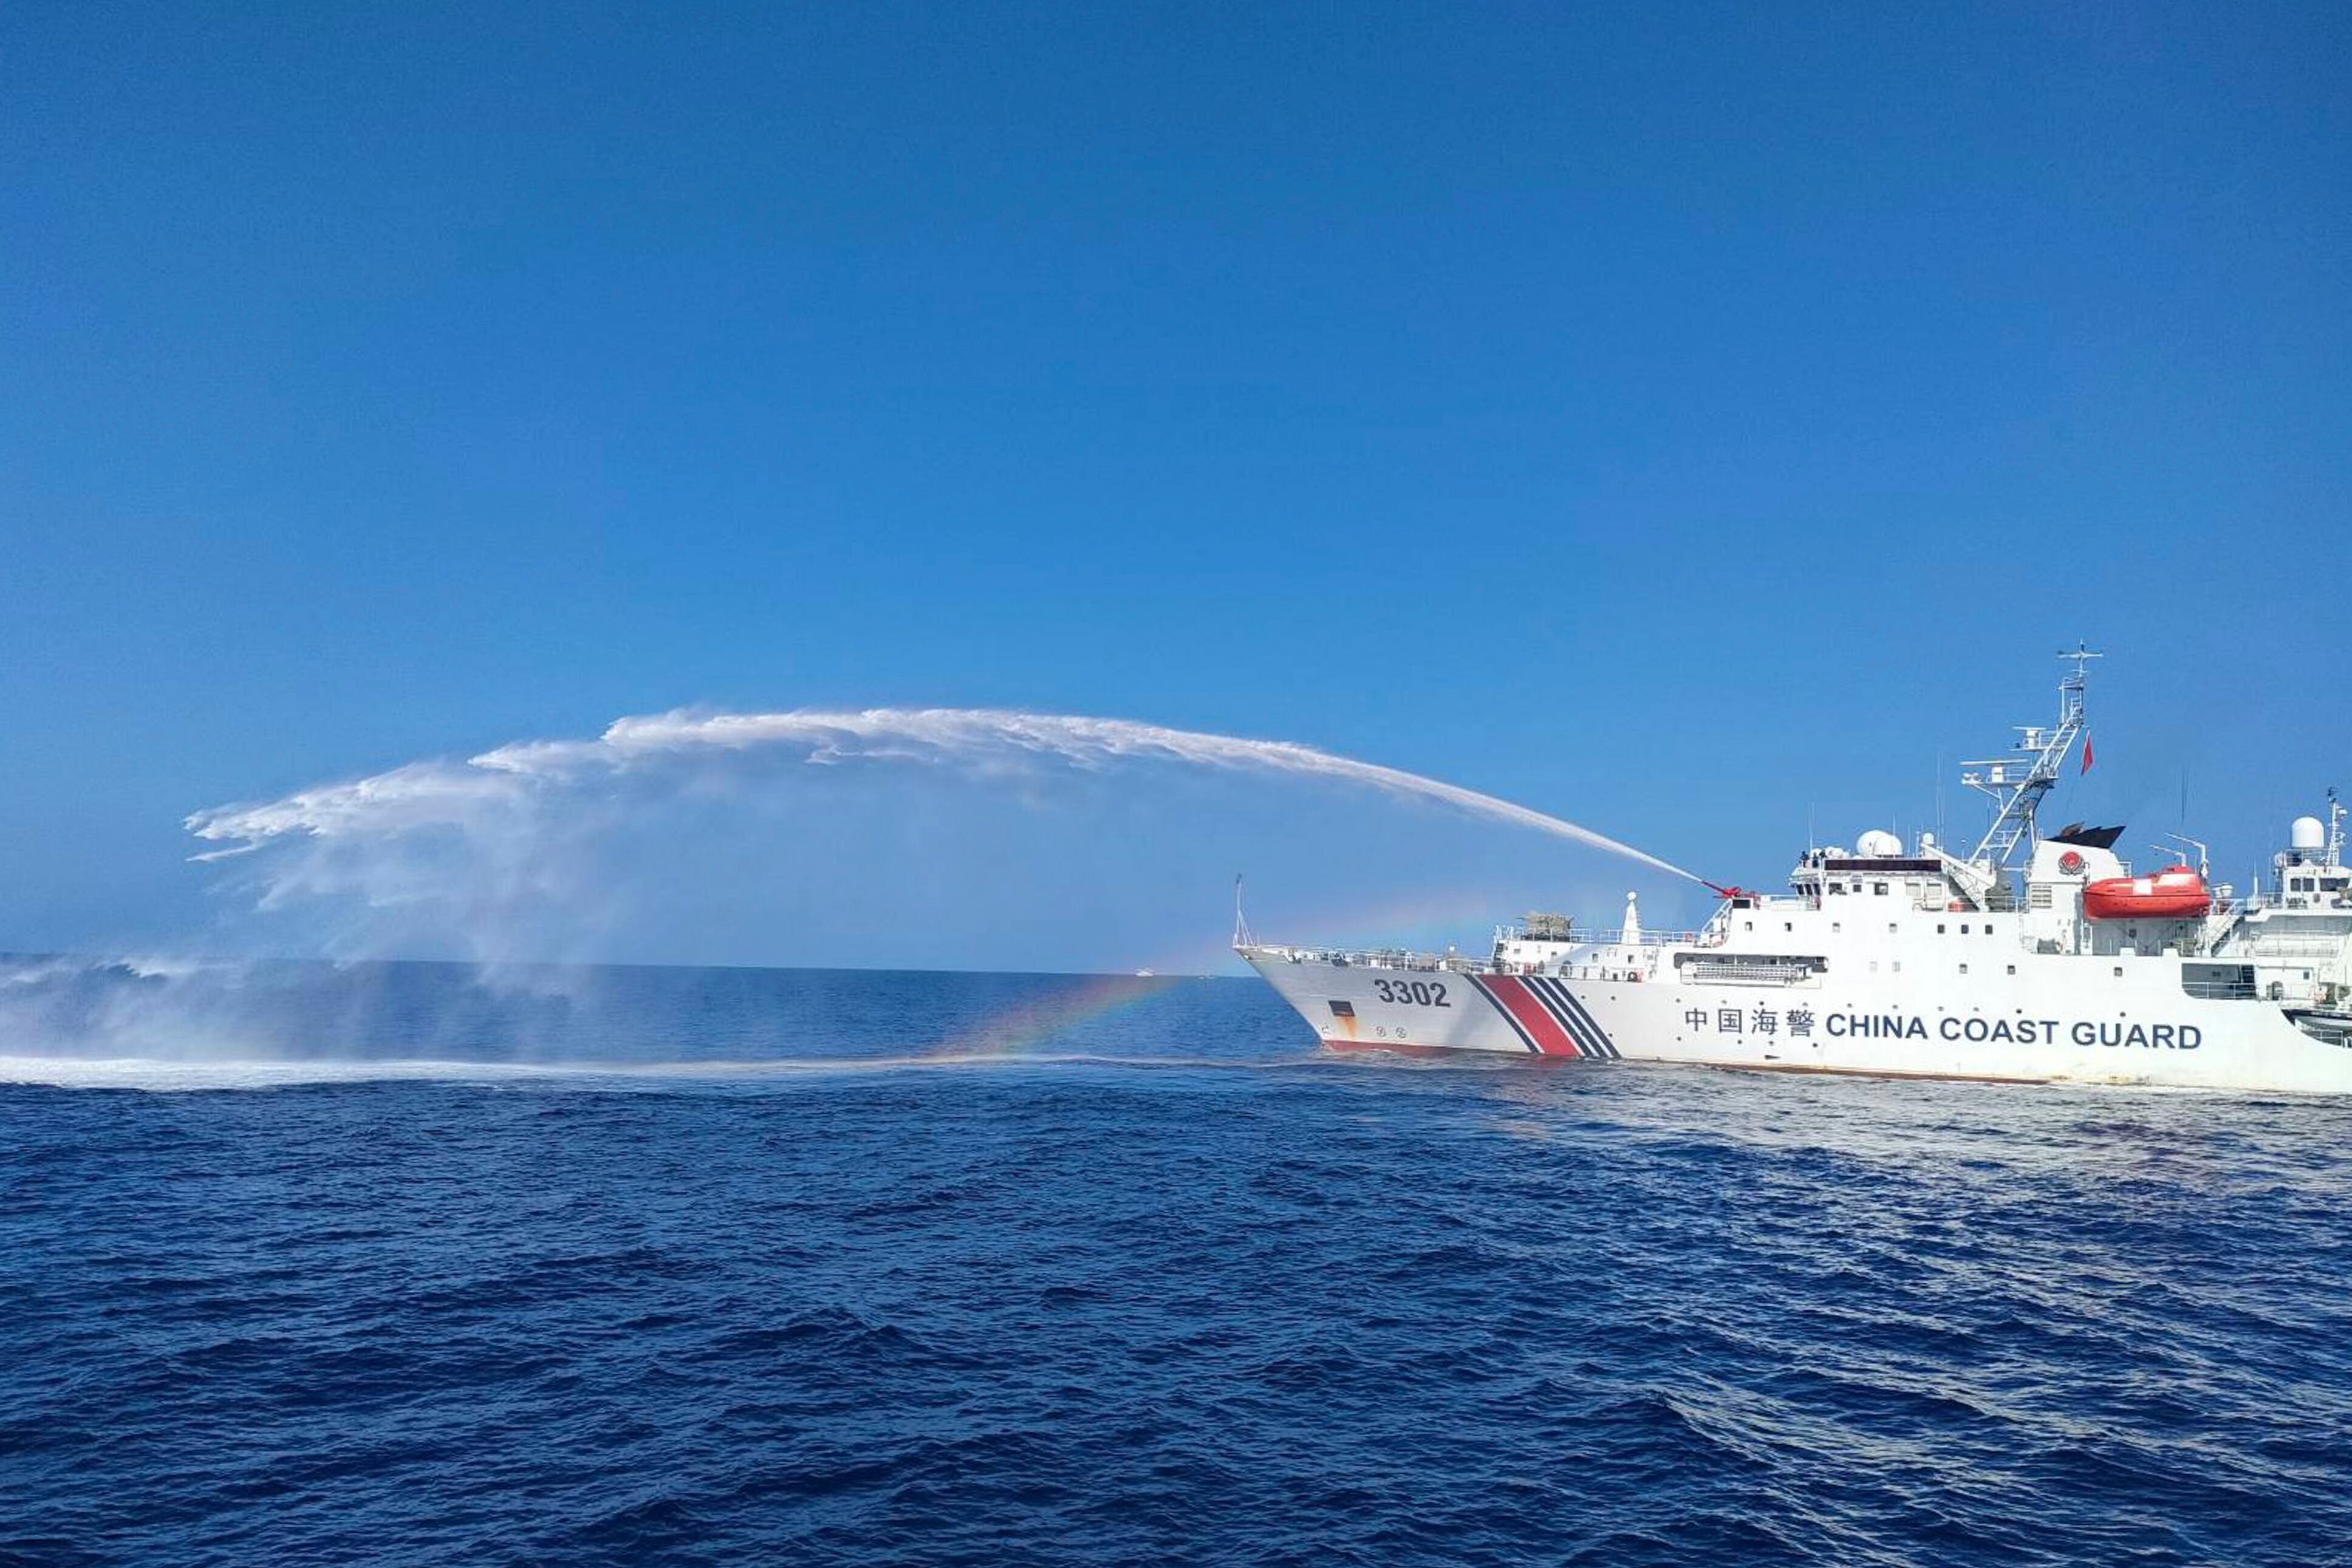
[{"x": 947, "y": 735}]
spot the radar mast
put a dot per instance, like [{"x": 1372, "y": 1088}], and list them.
[{"x": 2017, "y": 786}]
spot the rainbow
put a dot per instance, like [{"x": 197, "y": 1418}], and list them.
[
  {"x": 1038, "y": 1021},
  {"x": 1033, "y": 1021}
]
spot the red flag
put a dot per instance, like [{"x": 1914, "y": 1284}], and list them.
[{"x": 2087, "y": 754}]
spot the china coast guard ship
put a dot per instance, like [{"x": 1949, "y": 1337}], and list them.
[{"x": 2033, "y": 957}]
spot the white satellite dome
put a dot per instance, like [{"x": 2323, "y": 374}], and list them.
[
  {"x": 1878, "y": 844},
  {"x": 2306, "y": 833}
]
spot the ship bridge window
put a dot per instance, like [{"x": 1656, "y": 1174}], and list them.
[{"x": 1879, "y": 888}]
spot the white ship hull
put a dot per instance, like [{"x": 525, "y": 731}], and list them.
[
  {"x": 2128, "y": 1022},
  {"x": 1913, "y": 962}
]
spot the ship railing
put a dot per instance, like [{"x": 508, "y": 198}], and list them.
[
  {"x": 2221, "y": 990},
  {"x": 1464, "y": 963},
  {"x": 2275, "y": 945},
  {"x": 1704, "y": 937},
  {"x": 1377, "y": 958}
]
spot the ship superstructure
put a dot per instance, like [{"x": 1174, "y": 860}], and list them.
[{"x": 2033, "y": 956}]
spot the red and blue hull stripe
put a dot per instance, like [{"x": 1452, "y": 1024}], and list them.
[{"x": 1546, "y": 1016}]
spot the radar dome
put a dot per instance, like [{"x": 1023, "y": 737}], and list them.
[
  {"x": 1878, "y": 844},
  {"x": 2306, "y": 834}
]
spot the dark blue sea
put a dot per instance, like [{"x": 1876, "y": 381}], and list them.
[{"x": 414, "y": 1264}]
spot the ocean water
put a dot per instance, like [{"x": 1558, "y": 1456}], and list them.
[{"x": 404, "y": 1264}]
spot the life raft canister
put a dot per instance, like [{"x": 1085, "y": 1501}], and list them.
[{"x": 2175, "y": 894}]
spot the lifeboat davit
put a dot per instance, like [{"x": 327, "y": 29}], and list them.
[{"x": 2176, "y": 894}]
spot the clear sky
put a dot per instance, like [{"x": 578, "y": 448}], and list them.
[{"x": 1678, "y": 418}]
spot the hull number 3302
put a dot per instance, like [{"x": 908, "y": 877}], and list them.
[{"x": 1422, "y": 993}]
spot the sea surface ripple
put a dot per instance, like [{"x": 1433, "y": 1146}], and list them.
[{"x": 732, "y": 1266}]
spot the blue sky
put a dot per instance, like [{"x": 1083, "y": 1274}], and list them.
[{"x": 1681, "y": 419}]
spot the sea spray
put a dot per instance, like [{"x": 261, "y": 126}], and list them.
[
  {"x": 140, "y": 1007},
  {"x": 95, "y": 1023}
]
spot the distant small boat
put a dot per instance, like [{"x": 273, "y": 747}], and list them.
[{"x": 1143, "y": 974}]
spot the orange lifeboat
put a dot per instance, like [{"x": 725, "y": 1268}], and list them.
[{"x": 2176, "y": 894}]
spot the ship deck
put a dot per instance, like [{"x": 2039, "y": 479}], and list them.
[{"x": 1403, "y": 958}]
